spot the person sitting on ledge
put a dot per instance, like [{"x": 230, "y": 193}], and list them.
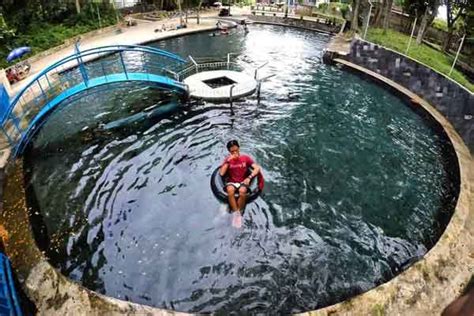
[{"x": 236, "y": 167}]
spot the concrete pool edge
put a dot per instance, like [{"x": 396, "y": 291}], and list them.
[{"x": 429, "y": 285}]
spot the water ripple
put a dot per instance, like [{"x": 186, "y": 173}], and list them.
[{"x": 356, "y": 185}]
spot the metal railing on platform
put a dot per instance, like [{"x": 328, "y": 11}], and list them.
[{"x": 207, "y": 64}]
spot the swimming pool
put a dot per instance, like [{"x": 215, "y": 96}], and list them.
[{"x": 358, "y": 185}]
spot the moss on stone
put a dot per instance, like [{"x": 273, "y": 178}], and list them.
[
  {"x": 424, "y": 272},
  {"x": 378, "y": 310}
]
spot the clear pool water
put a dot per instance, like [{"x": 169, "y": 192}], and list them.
[{"x": 358, "y": 185}]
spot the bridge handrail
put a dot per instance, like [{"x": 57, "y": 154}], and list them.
[
  {"x": 102, "y": 50},
  {"x": 55, "y": 81}
]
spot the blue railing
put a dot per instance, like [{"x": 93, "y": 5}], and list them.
[{"x": 81, "y": 71}]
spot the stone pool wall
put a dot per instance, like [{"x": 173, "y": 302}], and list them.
[
  {"x": 305, "y": 22},
  {"x": 455, "y": 102}
]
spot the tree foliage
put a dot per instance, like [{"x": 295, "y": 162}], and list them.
[
  {"x": 42, "y": 24},
  {"x": 355, "y": 15},
  {"x": 6, "y": 33},
  {"x": 457, "y": 10},
  {"x": 425, "y": 11}
]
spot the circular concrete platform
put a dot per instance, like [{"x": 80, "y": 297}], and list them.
[{"x": 216, "y": 85}]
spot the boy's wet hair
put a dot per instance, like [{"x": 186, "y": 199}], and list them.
[{"x": 231, "y": 143}]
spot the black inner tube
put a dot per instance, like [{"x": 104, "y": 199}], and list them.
[{"x": 218, "y": 186}]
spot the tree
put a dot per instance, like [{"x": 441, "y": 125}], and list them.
[
  {"x": 355, "y": 15},
  {"x": 180, "y": 12},
  {"x": 468, "y": 21},
  {"x": 198, "y": 10},
  {"x": 382, "y": 14},
  {"x": 78, "y": 6},
  {"x": 455, "y": 9},
  {"x": 5, "y": 32},
  {"x": 430, "y": 12},
  {"x": 379, "y": 13},
  {"x": 386, "y": 13}
]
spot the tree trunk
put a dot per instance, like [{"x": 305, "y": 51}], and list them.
[
  {"x": 386, "y": 14},
  {"x": 426, "y": 21},
  {"x": 447, "y": 39},
  {"x": 198, "y": 10},
  {"x": 78, "y": 7},
  {"x": 423, "y": 26},
  {"x": 355, "y": 15},
  {"x": 180, "y": 12},
  {"x": 379, "y": 13},
  {"x": 453, "y": 15}
]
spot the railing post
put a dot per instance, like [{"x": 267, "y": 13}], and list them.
[
  {"x": 231, "y": 101},
  {"x": 259, "y": 85},
  {"x": 82, "y": 69},
  {"x": 41, "y": 88},
  {"x": 123, "y": 65},
  {"x": 47, "y": 80},
  {"x": 256, "y": 69},
  {"x": 194, "y": 62},
  {"x": 103, "y": 69}
]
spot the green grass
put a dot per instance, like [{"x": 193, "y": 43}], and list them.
[{"x": 423, "y": 53}]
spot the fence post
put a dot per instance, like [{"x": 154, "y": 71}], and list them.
[
  {"x": 368, "y": 19},
  {"x": 457, "y": 54},
  {"x": 411, "y": 35}
]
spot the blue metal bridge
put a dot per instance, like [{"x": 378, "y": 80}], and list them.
[{"x": 71, "y": 75}]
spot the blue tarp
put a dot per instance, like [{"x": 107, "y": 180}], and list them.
[
  {"x": 9, "y": 304},
  {"x": 4, "y": 102},
  {"x": 18, "y": 52}
]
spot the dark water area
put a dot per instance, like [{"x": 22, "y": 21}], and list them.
[{"x": 358, "y": 185}]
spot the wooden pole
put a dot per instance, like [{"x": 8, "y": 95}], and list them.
[
  {"x": 457, "y": 54},
  {"x": 411, "y": 36}
]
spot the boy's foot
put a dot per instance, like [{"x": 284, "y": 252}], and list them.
[{"x": 237, "y": 219}]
